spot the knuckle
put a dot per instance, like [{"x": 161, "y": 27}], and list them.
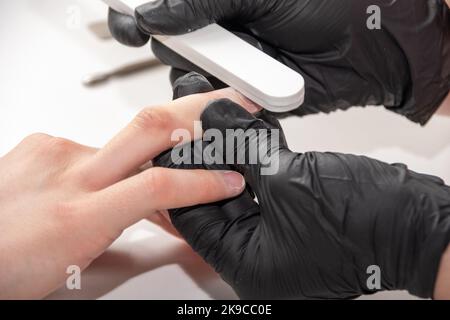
[
  {"x": 84, "y": 178},
  {"x": 36, "y": 138},
  {"x": 59, "y": 144},
  {"x": 47, "y": 148},
  {"x": 153, "y": 119},
  {"x": 56, "y": 147}
]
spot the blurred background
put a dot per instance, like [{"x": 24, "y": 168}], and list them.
[{"x": 51, "y": 48}]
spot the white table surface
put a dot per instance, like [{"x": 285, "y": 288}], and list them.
[{"x": 44, "y": 55}]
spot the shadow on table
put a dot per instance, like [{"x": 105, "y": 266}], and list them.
[{"x": 122, "y": 263}]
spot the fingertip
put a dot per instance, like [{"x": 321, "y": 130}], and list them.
[
  {"x": 124, "y": 29},
  {"x": 242, "y": 100},
  {"x": 234, "y": 182},
  {"x": 191, "y": 83},
  {"x": 238, "y": 99},
  {"x": 151, "y": 21},
  {"x": 169, "y": 17}
]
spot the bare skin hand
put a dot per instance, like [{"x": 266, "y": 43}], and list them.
[
  {"x": 63, "y": 204},
  {"x": 442, "y": 288},
  {"x": 444, "y": 109}
]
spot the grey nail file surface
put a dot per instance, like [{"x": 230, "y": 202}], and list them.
[{"x": 250, "y": 71}]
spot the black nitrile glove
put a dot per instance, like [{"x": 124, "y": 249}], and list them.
[
  {"x": 321, "y": 221},
  {"x": 404, "y": 66}
]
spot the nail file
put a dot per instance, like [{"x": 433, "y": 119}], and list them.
[{"x": 243, "y": 67}]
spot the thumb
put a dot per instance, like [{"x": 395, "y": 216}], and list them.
[
  {"x": 171, "y": 17},
  {"x": 123, "y": 28}
]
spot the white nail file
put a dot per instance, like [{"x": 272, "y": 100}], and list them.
[{"x": 222, "y": 54}]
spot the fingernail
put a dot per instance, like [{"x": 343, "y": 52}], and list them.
[
  {"x": 245, "y": 102},
  {"x": 251, "y": 106},
  {"x": 234, "y": 181}
]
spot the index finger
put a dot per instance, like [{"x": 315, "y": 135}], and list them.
[{"x": 150, "y": 134}]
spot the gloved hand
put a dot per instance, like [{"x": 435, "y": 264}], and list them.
[
  {"x": 320, "y": 221},
  {"x": 404, "y": 66}
]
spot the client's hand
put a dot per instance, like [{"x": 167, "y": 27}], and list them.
[{"x": 63, "y": 204}]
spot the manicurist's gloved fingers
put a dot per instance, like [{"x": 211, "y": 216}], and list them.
[
  {"x": 175, "y": 74},
  {"x": 172, "y": 17},
  {"x": 125, "y": 30},
  {"x": 245, "y": 138},
  {"x": 191, "y": 83},
  {"x": 181, "y": 66},
  {"x": 219, "y": 232},
  {"x": 181, "y": 16},
  {"x": 170, "y": 57},
  {"x": 149, "y": 134},
  {"x": 332, "y": 53}
]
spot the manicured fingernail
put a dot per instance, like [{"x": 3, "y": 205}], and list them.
[
  {"x": 234, "y": 181},
  {"x": 245, "y": 102},
  {"x": 251, "y": 106}
]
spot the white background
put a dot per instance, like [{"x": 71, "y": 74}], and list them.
[{"x": 43, "y": 57}]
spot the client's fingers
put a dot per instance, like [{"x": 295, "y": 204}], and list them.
[
  {"x": 149, "y": 134},
  {"x": 135, "y": 198},
  {"x": 162, "y": 220}
]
